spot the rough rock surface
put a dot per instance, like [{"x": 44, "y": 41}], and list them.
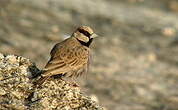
[{"x": 18, "y": 93}]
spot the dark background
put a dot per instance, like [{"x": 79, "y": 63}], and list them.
[{"x": 135, "y": 61}]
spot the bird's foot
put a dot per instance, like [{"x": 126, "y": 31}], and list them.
[{"x": 74, "y": 84}]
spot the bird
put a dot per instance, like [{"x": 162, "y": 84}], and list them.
[{"x": 71, "y": 57}]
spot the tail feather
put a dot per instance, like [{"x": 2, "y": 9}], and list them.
[{"x": 41, "y": 81}]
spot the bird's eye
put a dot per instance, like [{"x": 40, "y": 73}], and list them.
[{"x": 84, "y": 32}]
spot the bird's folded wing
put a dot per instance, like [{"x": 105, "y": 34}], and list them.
[
  {"x": 56, "y": 66},
  {"x": 67, "y": 60}
]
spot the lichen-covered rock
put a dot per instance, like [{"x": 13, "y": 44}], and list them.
[
  {"x": 14, "y": 81},
  {"x": 17, "y": 90}
]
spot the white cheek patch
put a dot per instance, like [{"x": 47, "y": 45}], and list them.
[{"x": 83, "y": 38}]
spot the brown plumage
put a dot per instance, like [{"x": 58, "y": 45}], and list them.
[{"x": 71, "y": 56}]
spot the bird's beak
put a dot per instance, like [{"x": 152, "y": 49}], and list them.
[{"x": 93, "y": 35}]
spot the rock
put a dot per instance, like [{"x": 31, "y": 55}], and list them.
[
  {"x": 1, "y": 56},
  {"x": 17, "y": 90}
]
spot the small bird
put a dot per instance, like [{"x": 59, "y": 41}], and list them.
[{"x": 70, "y": 58}]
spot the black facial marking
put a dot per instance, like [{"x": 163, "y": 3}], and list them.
[
  {"x": 84, "y": 32},
  {"x": 87, "y": 44}
]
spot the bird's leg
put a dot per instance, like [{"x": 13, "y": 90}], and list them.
[{"x": 74, "y": 82}]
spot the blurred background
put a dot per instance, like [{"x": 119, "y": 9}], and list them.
[{"x": 135, "y": 61}]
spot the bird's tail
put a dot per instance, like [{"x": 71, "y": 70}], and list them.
[{"x": 40, "y": 81}]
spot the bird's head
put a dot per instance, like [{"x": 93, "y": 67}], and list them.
[{"x": 84, "y": 35}]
